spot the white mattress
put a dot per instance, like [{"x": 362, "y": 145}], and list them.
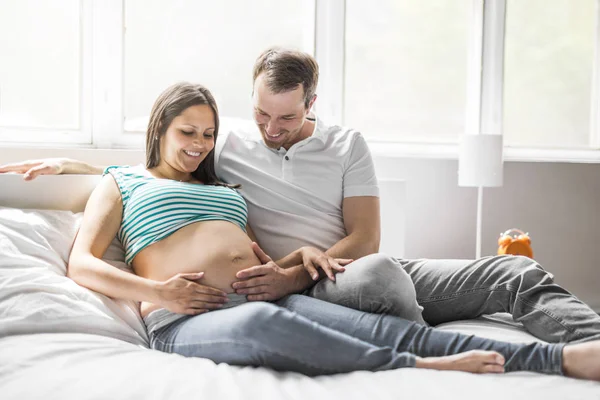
[
  {"x": 85, "y": 366},
  {"x": 61, "y": 341}
]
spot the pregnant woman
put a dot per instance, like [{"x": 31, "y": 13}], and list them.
[{"x": 185, "y": 236}]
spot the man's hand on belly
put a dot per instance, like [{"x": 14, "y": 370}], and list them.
[{"x": 265, "y": 282}]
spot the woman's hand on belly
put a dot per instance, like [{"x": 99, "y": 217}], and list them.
[
  {"x": 265, "y": 282},
  {"x": 182, "y": 294},
  {"x": 218, "y": 248}
]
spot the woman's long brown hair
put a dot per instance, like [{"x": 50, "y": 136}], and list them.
[{"x": 171, "y": 103}]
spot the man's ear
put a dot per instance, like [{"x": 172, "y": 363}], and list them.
[{"x": 310, "y": 104}]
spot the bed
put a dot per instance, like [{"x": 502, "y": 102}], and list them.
[{"x": 59, "y": 340}]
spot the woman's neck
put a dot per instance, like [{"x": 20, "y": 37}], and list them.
[{"x": 166, "y": 172}]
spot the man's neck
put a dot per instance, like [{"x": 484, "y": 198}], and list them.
[{"x": 307, "y": 130}]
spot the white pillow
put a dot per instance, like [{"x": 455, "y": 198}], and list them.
[{"x": 35, "y": 294}]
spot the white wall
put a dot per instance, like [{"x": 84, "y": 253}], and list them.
[{"x": 557, "y": 203}]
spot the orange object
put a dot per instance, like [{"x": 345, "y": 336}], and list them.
[{"x": 510, "y": 243}]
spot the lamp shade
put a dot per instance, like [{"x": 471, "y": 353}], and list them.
[{"x": 480, "y": 161}]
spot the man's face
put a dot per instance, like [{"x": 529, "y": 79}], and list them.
[{"x": 280, "y": 117}]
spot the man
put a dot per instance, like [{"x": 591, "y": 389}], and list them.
[{"x": 307, "y": 184}]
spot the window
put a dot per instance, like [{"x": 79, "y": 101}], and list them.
[
  {"x": 210, "y": 42},
  {"x": 549, "y": 59},
  {"x": 406, "y": 69},
  {"x": 87, "y": 72},
  {"x": 41, "y": 71}
]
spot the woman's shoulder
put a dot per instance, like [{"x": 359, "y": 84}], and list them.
[{"x": 128, "y": 178}]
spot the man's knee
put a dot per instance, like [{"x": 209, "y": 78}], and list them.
[
  {"x": 375, "y": 274},
  {"x": 375, "y": 283},
  {"x": 528, "y": 271}
]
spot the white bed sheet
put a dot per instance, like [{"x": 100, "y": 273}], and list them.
[
  {"x": 35, "y": 294},
  {"x": 61, "y": 341},
  {"x": 84, "y": 366}
]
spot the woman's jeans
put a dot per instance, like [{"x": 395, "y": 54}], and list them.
[{"x": 302, "y": 334}]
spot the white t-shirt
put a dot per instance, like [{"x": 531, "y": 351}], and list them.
[{"x": 295, "y": 197}]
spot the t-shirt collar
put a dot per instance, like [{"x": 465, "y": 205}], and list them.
[{"x": 318, "y": 133}]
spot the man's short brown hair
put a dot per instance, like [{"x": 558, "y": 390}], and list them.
[{"x": 285, "y": 69}]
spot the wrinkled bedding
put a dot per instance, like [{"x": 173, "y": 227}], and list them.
[{"x": 59, "y": 340}]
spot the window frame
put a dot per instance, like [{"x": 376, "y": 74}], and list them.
[
  {"x": 484, "y": 108},
  {"x": 595, "y": 100}
]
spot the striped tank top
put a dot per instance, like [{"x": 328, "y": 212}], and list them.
[{"x": 155, "y": 208}]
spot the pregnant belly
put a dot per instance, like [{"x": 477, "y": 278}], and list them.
[{"x": 218, "y": 248}]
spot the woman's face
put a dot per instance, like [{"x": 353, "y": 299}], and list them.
[{"x": 189, "y": 139}]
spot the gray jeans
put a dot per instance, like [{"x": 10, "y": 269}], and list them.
[
  {"x": 313, "y": 337},
  {"x": 450, "y": 290},
  {"x": 376, "y": 284}
]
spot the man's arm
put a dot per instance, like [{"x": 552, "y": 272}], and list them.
[
  {"x": 363, "y": 234},
  {"x": 51, "y": 166},
  {"x": 360, "y": 211},
  {"x": 362, "y": 222},
  {"x": 363, "y": 228}
]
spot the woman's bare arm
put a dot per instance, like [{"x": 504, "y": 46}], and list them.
[
  {"x": 101, "y": 221},
  {"x": 50, "y": 166}
]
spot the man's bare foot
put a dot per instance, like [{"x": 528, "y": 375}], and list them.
[
  {"x": 582, "y": 360},
  {"x": 476, "y": 361}
]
